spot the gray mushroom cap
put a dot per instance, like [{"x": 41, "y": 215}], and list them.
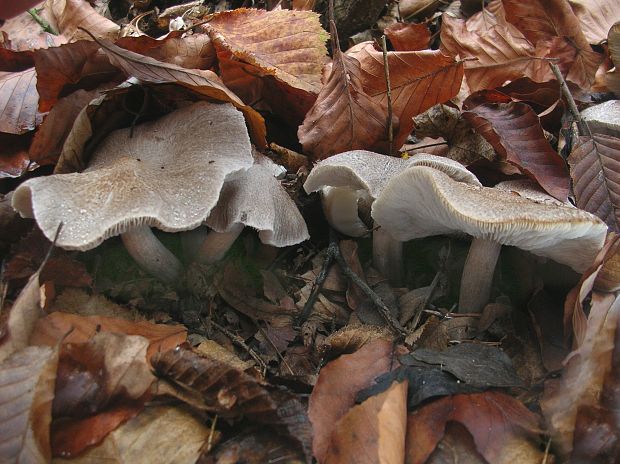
[
  {"x": 168, "y": 175},
  {"x": 421, "y": 202}
]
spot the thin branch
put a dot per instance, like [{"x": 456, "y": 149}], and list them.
[
  {"x": 318, "y": 283},
  {"x": 584, "y": 129},
  {"x": 386, "y": 71}
]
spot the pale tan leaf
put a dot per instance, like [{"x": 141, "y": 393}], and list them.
[
  {"x": 22, "y": 318},
  {"x": 613, "y": 78},
  {"x": 71, "y": 14},
  {"x": 595, "y": 170},
  {"x": 596, "y": 17},
  {"x": 157, "y": 434},
  {"x": 26, "y": 392},
  {"x": 18, "y": 101},
  {"x": 419, "y": 80}
]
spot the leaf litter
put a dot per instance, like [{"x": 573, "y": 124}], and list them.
[{"x": 282, "y": 355}]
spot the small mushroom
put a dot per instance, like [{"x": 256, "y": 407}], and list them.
[
  {"x": 350, "y": 182},
  {"x": 169, "y": 175},
  {"x": 604, "y": 118},
  {"x": 421, "y": 202},
  {"x": 253, "y": 198}
]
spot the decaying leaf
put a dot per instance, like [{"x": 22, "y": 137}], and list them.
[
  {"x": 73, "y": 14},
  {"x": 256, "y": 446},
  {"x": 408, "y": 36},
  {"x": 595, "y": 171},
  {"x": 14, "y": 160},
  {"x": 596, "y": 18},
  {"x": 343, "y": 117},
  {"x": 26, "y": 393},
  {"x": 338, "y": 383},
  {"x": 19, "y": 101},
  {"x": 514, "y": 130},
  {"x": 495, "y": 421},
  {"x": 230, "y": 392},
  {"x": 419, "y": 80},
  {"x": 613, "y": 41},
  {"x": 373, "y": 431}
]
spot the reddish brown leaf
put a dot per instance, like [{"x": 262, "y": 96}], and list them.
[
  {"x": 343, "y": 117},
  {"x": 18, "y": 102},
  {"x": 407, "y": 37},
  {"x": 495, "y": 420},
  {"x": 68, "y": 64},
  {"x": 419, "y": 80},
  {"x": 26, "y": 392},
  {"x": 373, "y": 431},
  {"x": 271, "y": 59},
  {"x": 14, "y": 160},
  {"x": 542, "y": 21},
  {"x": 595, "y": 170},
  {"x": 203, "y": 82},
  {"x": 514, "y": 130},
  {"x": 71, "y": 437},
  {"x": 194, "y": 52},
  {"x": 338, "y": 383},
  {"x": 79, "y": 329},
  {"x": 72, "y": 14}
]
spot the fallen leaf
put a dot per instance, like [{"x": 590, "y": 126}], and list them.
[
  {"x": 205, "y": 83},
  {"x": 91, "y": 375},
  {"x": 70, "y": 437},
  {"x": 514, "y": 130},
  {"x": 24, "y": 33},
  {"x": 457, "y": 445},
  {"x": 14, "y": 160},
  {"x": 595, "y": 171},
  {"x": 18, "y": 102},
  {"x": 343, "y": 117},
  {"x": 193, "y": 52},
  {"x": 273, "y": 58},
  {"x": 417, "y": 8},
  {"x": 157, "y": 434},
  {"x": 495, "y": 420},
  {"x": 54, "y": 326},
  {"x": 73, "y": 14},
  {"x": 419, "y": 80},
  {"x": 26, "y": 393},
  {"x": 230, "y": 392},
  {"x": 596, "y": 18},
  {"x": 407, "y": 37},
  {"x": 613, "y": 40},
  {"x": 373, "y": 431},
  {"x": 338, "y": 383}
]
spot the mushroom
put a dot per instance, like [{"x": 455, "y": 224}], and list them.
[
  {"x": 256, "y": 199},
  {"x": 604, "y": 118},
  {"x": 421, "y": 202},
  {"x": 349, "y": 183},
  {"x": 168, "y": 175}
]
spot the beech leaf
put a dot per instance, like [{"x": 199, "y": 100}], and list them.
[
  {"x": 18, "y": 101},
  {"x": 26, "y": 393},
  {"x": 514, "y": 130},
  {"x": 419, "y": 80},
  {"x": 596, "y": 18},
  {"x": 343, "y": 117},
  {"x": 71, "y": 15},
  {"x": 595, "y": 170}
]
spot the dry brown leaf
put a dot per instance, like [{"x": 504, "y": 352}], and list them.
[
  {"x": 417, "y": 8},
  {"x": 255, "y": 447},
  {"x": 596, "y": 17},
  {"x": 193, "y": 52},
  {"x": 338, "y": 383},
  {"x": 552, "y": 21},
  {"x": 26, "y": 393},
  {"x": 271, "y": 58},
  {"x": 408, "y": 36},
  {"x": 22, "y": 319},
  {"x": 55, "y": 326},
  {"x": 514, "y": 130},
  {"x": 373, "y": 431},
  {"x": 419, "y": 80},
  {"x": 24, "y": 33},
  {"x": 343, "y": 117},
  {"x": 14, "y": 159},
  {"x": 585, "y": 372},
  {"x": 19, "y": 101},
  {"x": 496, "y": 421},
  {"x": 158, "y": 434},
  {"x": 613, "y": 78},
  {"x": 205, "y": 83},
  {"x": 73, "y": 14},
  {"x": 595, "y": 170}
]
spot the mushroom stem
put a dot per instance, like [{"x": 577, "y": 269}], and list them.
[
  {"x": 151, "y": 255},
  {"x": 387, "y": 256},
  {"x": 478, "y": 275},
  {"x": 191, "y": 241},
  {"x": 217, "y": 244}
]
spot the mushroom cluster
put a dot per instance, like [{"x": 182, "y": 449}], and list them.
[
  {"x": 174, "y": 174},
  {"x": 428, "y": 195}
]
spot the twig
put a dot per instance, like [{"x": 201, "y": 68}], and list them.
[
  {"x": 211, "y": 433},
  {"x": 47, "y": 27},
  {"x": 239, "y": 341},
  {"x": 357, "y": 280},
  {"x": 318, "y": 283},
  {"x": 386, "y": 71},
  {"x": 584, "y": 129}
]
